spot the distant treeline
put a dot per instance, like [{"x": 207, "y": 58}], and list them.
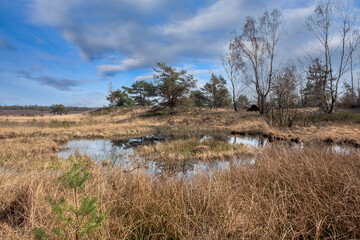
[{"x": 42, "y": 108}]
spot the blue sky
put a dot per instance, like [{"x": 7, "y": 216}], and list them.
[{"x": 67, "y": 51}]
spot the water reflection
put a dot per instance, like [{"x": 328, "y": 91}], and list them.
[
  {"x": 134, "y": 142},
  {"x": 120, "y": 152},
  {"x": 249, "y": 141}
]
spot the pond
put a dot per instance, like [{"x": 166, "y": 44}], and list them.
[
  {"x": 117, "y": 150},
  {"x": 120, "y": 152}
]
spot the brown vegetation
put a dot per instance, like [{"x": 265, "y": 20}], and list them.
[
  {"x": 341, "y": 126},
  {"x": 190, "y": 149},
  {"x": 310, "y": 193}
]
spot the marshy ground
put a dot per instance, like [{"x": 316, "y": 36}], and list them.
[{"x": 306, "y": 192}]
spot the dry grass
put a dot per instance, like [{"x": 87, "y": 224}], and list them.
[
  {"x": 76, "y": 126},
  {"x": 193, "y": 149},
  {"x": 339, "y": 127},
  {"x": 31, "y": 154},
  {"x": 300, "y": 194},
  {"x": 310, "y": 193}
]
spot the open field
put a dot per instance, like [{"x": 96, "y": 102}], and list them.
[
  {"x": 30, "y": 113},
  {"x": 341, "y": 126},
  {"x": 284, "y": 193}
]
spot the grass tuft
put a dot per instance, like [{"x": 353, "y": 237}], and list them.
[{"x": 193, "y": 149}]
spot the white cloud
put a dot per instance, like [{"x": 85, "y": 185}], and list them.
[
  {"x": 142, "y": 32},
  {"x": 144, "y": 77},
  {"x": 122, "y": 65},
  {"x": 219, "y": 15}
]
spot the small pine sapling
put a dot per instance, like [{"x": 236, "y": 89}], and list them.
[{"x": 74, "y": 221}]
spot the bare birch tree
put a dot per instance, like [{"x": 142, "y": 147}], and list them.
[
  {"x": 256, "y": 47},
  {"x": 353, "y": 43},
  {"x": 334, "y": 21},
  {"x": 232, "y": 67}
]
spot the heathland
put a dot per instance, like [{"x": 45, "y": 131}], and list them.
[{"x": 306, "y": 192}]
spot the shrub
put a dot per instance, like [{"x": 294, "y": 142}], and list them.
[
  {"x": 57, "y": 123},
  {"x": 34, "y": 122}
]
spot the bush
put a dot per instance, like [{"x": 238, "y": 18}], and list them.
[
  {"x": 283, "y": 117},
  {"x": 320, "y": 117},
  {"x": 57, "y": 123},
  {"x": 34, "y": 122}
]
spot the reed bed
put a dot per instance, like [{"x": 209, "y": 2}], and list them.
[{"x": 311, "y": 193}]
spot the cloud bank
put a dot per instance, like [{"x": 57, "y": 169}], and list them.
[{"x": 140, "y": 32}]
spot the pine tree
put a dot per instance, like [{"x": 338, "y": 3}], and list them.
[
  {"x": 216, "y": 93},
  {"x": 120, "y": 98},
  {"x": 141, "y": 92},
  {"x": 172, "y": 86},
  {"x": 318, "y": 85}
]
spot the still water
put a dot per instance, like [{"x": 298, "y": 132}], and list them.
[{"x": 120, "y": 152}]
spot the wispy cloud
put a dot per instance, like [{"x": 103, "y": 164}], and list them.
[
  {"x": 6, "y": 45},
  {"x": 36, "y": 67},
  {"x": 39, "y": 40},
  {"x": 58, "y": 83},
  {"x": 144, "y": 77}
]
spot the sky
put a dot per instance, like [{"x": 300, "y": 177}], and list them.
[{"x": 68, "y": 51}]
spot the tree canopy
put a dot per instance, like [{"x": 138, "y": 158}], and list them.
[
  {"x": 198, "y": 98},
  {"x": 172, "y": 86},
  {"x": 318, "y": 88},
  {"x": 120, "y": 98},
  {"x": 216, "y": 93},
  {"x": 141, "y": 92},
  {"x": 58, "y": 109}
]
